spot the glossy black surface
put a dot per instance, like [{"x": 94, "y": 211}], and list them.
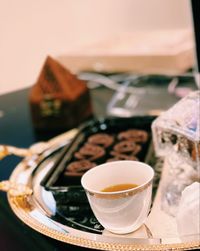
[{"x": 16, "y": 129}]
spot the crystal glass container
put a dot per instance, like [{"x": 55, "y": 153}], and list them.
[{"x": 176, "y": 136}]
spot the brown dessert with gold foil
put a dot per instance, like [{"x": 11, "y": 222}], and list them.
[{"x": 59, "y": 100}]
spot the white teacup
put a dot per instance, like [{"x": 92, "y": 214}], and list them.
[{"x": 123, "y": 211}]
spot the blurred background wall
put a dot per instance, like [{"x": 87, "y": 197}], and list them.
[{"x": 30, "y": 30}]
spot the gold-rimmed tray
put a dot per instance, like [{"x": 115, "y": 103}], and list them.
[{"x": 35, "y": 211}]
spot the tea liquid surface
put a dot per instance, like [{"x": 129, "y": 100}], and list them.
[{"x": 119, "y": 187}]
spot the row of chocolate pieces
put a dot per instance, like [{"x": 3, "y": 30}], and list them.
[
  {"x": 129, "y": 145},
  {"x": 92, "y": 150},
  {"x": 98, "y": 144}
]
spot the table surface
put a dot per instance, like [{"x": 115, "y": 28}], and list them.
[{"x": 16, "y": 129}]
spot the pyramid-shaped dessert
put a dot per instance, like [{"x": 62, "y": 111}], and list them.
[{"x": 59, "y": 100}]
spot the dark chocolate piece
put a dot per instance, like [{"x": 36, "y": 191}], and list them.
[
  {"x": 77, "y": 168},
  {"x": 101, "y": 139},
  {"x": 90, "y": 152},
  {"x": 121, "y": 156},
  {"x": 138, "y": 136},
  {"x": 128, "y": 147}
]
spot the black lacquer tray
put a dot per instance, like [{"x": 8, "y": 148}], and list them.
[
  {"x": 72, "y": 206},
  {"x": 111, "y": 126}
]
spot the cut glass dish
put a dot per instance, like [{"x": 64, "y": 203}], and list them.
[{"x": 176, "y": 136}]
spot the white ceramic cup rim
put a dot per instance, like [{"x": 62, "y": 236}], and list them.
[{"x": 139, "y": 187}]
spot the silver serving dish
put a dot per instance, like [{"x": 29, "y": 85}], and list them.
[{"x": 36, "y": 207}]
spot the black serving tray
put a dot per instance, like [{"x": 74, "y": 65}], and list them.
[
  {"x": 56, "y": 179},
  {"x": 72, "y": 206}
]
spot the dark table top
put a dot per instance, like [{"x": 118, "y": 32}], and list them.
[{"x": 16, "y": 129}]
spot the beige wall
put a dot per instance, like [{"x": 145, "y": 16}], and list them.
[{"x": 32, "y": 29}]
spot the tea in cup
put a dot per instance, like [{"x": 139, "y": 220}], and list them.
[{"x": 119, "y": 194}]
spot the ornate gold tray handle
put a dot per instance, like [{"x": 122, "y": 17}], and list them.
[
  {"x": 6, "y": 150},
  {"x": 21, "y": 193},
  {"x": 15, "y": 190},
  {"x": 18, "y": 193},
  {"x": 36, "y": 148}
]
